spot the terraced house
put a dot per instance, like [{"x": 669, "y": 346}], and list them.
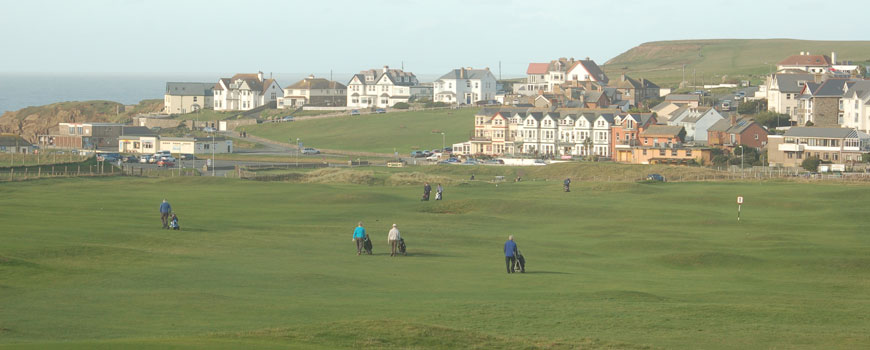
[
  {"x": 835, "y": 145},
  {"x": 380, "y": 88},
  {"x": 245, "y": 92}
]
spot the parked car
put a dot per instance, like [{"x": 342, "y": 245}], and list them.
[
  {"x": 309, "y": 150},
  {"x": 354, "y": 112},
  {"x": 471, "y": 161},
  {"x": 655, "y": 177},
  {"x": 130, "y": 159},
  {"x": 166, "y": 163},
  {"x": 108, "y": 157},
  {"x": 434, "y": 157},
  {"x": 186, "y": 156},
  {"x": 288, "y": 118},
  {"x": 417, "y": 154},
  {"x": 494, "y": 161},
  {"x": 145, "y": 159},
  {"x": 380, "y": 111}
]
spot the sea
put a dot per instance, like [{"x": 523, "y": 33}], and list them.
[{"x": 20, "y": 90}]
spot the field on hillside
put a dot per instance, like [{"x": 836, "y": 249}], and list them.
[
  {"x": 271, "y": 265},
  {"x": 662, "y": 61},
  {"x": 379, "y": 133}
]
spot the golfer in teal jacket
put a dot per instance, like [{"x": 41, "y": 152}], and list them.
[{"x": 359, "y": 234}]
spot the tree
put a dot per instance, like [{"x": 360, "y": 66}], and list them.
[
  {"x": 865, "y": 157},
  {"x": 752, "y": 107},
  {"x": 772, "y": 119},
  {"x": 401, "y": 105},
  {"x": 811, "y": 163}
]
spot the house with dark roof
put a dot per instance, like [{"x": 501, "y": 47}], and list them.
[
  {"x": 820, "y": 103},
  {"x": 587, "y": 71},
  {"x": 543, "y": 76},
  {"x": 626, "y": 129},
  {"x": 736, "y": 131},
  {"x": 10, "y": 143},
  {"x": 465, "y": 86},
  {"x": 835, "y": 145},
  {"x": 695, "y": 121},
  {"x": 782, "y": 91},
  {"x": 89, "y": 136},
  {"x": 245, "y": 92},
  {"x": 313, "y": 91},
  {"x": 380, "y": 88},
  {"x": 634, "y": 91},
  {"x": 181, "y": 98}
]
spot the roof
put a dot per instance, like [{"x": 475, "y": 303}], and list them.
[
  {"x": 724, "y": 125},
  {"x": 662, "y": 130},
  {"x": 316, "y": 83},
  {"x": 695, "y": 114},
  {"x": 252, "y": 80},
  {"x": 792, "y": 82},
  {"x": 806, "y": 60},
  {"x": 683, "y": 97},
  {"x": 537, "y": 68},
  {"x": 822, "y": 132},
  {"x": 7, "y": 140},
  {"x": 463, "y": 73},
  {"x": 626, "y": 82},
  {"x": 860, "y": 89},
  {"x": 396, "y": 76},
  {"x": 831, "y": 88},
  {"x": 189, "y": 89},
  {"x": 137, "y": 130}
]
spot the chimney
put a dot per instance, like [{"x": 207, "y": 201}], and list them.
[
  {"x": 461, "y": 73},
  {"x": 587, "y": 58},
  {"x": 622, "y": 77},
  {"x": 833, "y": 57},
  {"x": 386, "y": 68},
  {"x": 733, "y": 119},
  {"x": 260, "y": 76}
]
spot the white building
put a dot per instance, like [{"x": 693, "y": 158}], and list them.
[
  {"x": 380, "y": 88},
  {"x": 856, "y": 107},
  {"x": 183, "y": 98},
  {"x": 696, "y": 121},
  {"x": 244, "y": 92},
  {"x": 465, "y": 86},
  {"x": 175, "y": 145},
  {"x": 783, "y": 90}
]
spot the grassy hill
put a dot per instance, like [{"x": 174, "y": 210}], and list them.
[
  {"x": 379, "y": 133},
  {"x": 662, "y": 61},
  {"x": 270, "y": 265}
]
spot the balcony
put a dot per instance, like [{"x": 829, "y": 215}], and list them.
[
  {"x": 791, "y": 147},
  {"x": 481, "y": 139}
]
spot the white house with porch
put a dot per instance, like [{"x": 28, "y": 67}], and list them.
[
  {"x": 245, "y": 92},
  {"x": 465, "y": 86},
  {"x": 380, "y": 88}
]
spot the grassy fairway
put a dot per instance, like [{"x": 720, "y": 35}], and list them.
[
  {"x": 380, "y": 133},
  {"x": 269, "y": 265}
]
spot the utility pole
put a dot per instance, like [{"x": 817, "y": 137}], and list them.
[
  {"x": 499, "y": 70},
  {"x": 212, "y": 152}
]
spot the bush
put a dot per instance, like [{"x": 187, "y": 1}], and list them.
[
  {"x": 435, "y": 104},
  {"x": 401, "y": 105},
  {"x": 865, "y": 157},
  {"x": 811, "y": 163}
]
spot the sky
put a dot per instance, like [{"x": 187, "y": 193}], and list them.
[{"x": 426, "y": 36}]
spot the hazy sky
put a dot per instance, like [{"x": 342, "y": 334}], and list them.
[{"x": 430, "y": 36}]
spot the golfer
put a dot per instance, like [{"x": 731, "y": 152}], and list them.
[
  {"x": 393, "y": 238},
  {"x": 359, "y": 233},
  {"x": 510, "y": 254},
  {"x": 165, "y": 209}
]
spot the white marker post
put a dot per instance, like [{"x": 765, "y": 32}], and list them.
[{"x": 739, "y": 204}]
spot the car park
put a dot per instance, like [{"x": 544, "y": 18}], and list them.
[
  {"x": 417, "y": 154},
  {"x": 309, "y": 150},
  {"x": 380, "y": 111},
  {"x": 166, "y": 162},
  {"x": 145, "y": 159},
  {"x": 186, "y": 156},
  {"x": 108, "y": 157}
]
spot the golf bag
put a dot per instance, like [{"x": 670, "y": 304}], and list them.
[
  {"x": 402, "y": 246},
  {"x": 520, "y": 263},
  {"x": 367, "y": 245},
  {"x": 425, "y": 196},
  {"x": 173, "y": 223},
  {"x": 437, "y": 196}
]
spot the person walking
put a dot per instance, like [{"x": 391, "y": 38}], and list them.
[
  {"x": 393, "y": 238},
  {"x": 439, "y": 192},
  {"x": 165, "y": 209},
  {"x": 510, "y": 254},
  {"x": 426, "y": 190},
  {"x": 359, "y": 235}
]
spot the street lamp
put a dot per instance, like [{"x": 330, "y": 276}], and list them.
[
  {"x": 297, "y": 152},
  {"x": 741, "y": 158},
  {"x": 212, "y": 152},
  {"x": 443, "y": 145}
]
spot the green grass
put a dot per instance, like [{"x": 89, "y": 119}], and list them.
[
  {"x": 270, "y": 265},
  {"x": 662, "y": 61},
  {"x": 379, "y": 133}
]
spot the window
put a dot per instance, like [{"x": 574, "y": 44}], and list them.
[
  {"x": 790, "y": 155},
  {"x": 688, "y": 153},
  {"x": 476, "y": 85},
  {"x": 756, "y": 136},
  {"x": 673, "y": 153},
  {"x": 836, "y": 156},
  {"x": 79, "y": 130},
  {"x": 662, "y": 152},
  {"x": 72, "y": 130},
  {"x": 194, "y": 98},
  {"x": 800, "y": 155},
  {"x": 788, "y": 96},
  {"x": 644, "y": 152}
]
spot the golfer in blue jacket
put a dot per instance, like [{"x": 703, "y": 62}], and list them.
[
  {"x": 165, "y": 209},
  {"x": 359, "y": 235},
  {"x": 510, "y": 254}
]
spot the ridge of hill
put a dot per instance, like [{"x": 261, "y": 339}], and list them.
[
  {"x": 32, "y": 121},
  {"x": 716, "y": 60}
]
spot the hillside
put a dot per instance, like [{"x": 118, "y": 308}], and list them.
[
  {"x": 662, "y": 61},
  {"x": 32, "y": 121}
]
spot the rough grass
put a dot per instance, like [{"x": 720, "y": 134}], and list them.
[
  {"x": 662, "y": 61},
  {"x": 269, "y": 265}
]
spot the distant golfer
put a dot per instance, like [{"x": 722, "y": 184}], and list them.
[
  {"x": 165, "y": 209},
  {"x": 568, "y": 185},
  {"x": 426, "y": 190},
  {"x": 510, "y": 254},
  {"x": 359, "y": 235},
  {"x": 393, "y": 238}
]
